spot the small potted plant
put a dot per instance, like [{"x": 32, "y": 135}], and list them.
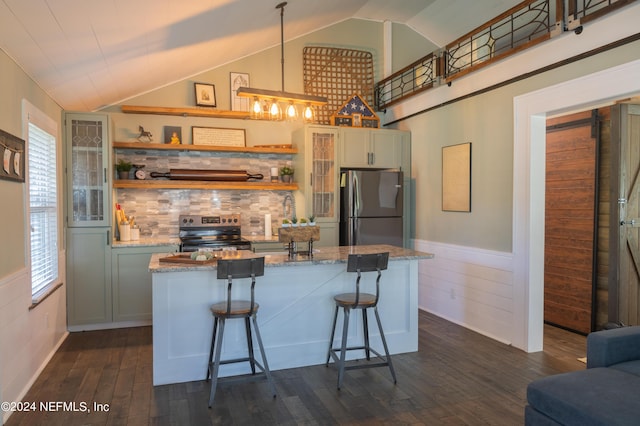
[
  {"x": 286, "y": 174},
  {"x": 294, "y": 221},
  {"x": 286, "y": 223},
  {"x": 312, "y": 220},
  {"x": 123, "y": 167},
  {"x": 303, "y": 221}
]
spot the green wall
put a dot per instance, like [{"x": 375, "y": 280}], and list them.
[
  {"x": 487, "y": 122},
  {"x": 14, "y": 86}
]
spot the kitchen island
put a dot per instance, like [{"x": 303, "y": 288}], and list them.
[{"x": 295, "y": 315}]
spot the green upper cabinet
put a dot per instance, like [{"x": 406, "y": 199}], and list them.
[
  {"x": 371, "y": 148},
  {"x": 88, "y": 170},
  {"x": 317, "y": 171}
]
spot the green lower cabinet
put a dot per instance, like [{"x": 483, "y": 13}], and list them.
[
  {"x": 131, "y": 282},
  {"x": 329, "y": 235},
  {"x": 88, "y": 276}
]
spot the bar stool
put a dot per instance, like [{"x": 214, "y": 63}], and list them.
[
  {"x": 347, "y": 301},
  {"x": 230, "y": 269}
]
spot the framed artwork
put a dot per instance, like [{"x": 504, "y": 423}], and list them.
[
  {"x": 205, "y": 94},
  {"x": 456, "y": 178},
  {"x": 238, "y": 79},
  {"x": 13, "y": 157},
  {"x": 172, "y": 135},
  {"x": 218, "y": 137}
]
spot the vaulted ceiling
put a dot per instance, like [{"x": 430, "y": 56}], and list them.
[{"x": 91, "y": 53}]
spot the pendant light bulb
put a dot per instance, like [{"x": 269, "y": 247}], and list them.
[
  {"x": 291, "y": 112},
  {"x": 256, "y": 108},
  {"x": 308, "y": 113},
  {"x": 275, "y": 113}
]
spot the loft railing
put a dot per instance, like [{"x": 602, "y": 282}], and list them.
[
  {"x": 415, "y": 78},
  {"x": 518, "y": 28},
  {"x": 582, "y": 11},
  {"x": 521, "y": 27}
]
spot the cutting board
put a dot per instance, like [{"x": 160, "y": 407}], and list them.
[{"x": 186, "y": 258}]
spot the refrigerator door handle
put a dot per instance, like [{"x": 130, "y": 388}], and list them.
[
  {"x": 357, "y": 201},
  {"x": 354, "y": 209}
]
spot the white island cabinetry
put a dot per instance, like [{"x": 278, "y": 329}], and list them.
[{"x": 295, "y": 316}]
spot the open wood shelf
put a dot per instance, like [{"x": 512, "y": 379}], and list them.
[
  {"x": 191, "y": 184},
  {"x": 210, "y": 148},
  {"x": 185, "y": 112}
]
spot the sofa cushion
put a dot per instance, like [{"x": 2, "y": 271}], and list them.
[
  {"x": 631, "y": 367},
  {"x": 596, "y": 396}
]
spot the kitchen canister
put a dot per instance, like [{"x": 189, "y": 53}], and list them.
[
  {"x": 267, "y": 226},
  {"x": 135, "y": 233},
  {"x": 125, "y": 232}
]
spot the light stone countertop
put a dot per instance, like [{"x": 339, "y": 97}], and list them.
[
  {"x": 146, "y": 242},
  {"x": 322, "y": 255}
]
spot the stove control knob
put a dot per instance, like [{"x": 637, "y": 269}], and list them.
[
  {"x": 224, "y": 219},
  {"x": 190, "y": 220},
  {"x": 184, "y": 220},
  {"x": 235, "y": 220}
]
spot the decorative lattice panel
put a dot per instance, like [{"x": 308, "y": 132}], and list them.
[{"x": 337, "y": 74}]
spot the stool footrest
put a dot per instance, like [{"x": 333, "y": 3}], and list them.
[
  {"x": 233, "y": 361},
  {"x": 334, "y": 352}
]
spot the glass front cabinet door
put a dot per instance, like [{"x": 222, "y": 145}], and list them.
[
  {"x": 88, "y": 179},
  {"x": 317, "y": 176}
]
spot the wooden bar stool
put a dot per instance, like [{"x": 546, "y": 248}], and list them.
[
  {"x": 230, "y": 269},
  {"x": 347, "y": 301}
]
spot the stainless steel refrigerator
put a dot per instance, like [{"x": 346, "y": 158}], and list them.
[{"x": 371, "y": 207}]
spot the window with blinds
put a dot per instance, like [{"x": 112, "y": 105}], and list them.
[{"x": 43, "y": 208}]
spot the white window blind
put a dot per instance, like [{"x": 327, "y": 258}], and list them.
[{"x": 43, "y": 208}]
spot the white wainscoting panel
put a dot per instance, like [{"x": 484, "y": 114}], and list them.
[
  {"x": 30, "y": 337},
  {"x": 468, "y": 286}
]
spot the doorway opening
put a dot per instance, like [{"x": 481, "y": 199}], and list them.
[{"x": 530, "y": 111}]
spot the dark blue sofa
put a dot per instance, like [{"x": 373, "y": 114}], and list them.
[{"x": 606, "y": 393}]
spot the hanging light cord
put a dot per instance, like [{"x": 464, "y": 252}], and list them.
[{"x": 281, "y": 7}]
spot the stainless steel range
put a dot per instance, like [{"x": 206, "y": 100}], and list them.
[{"x": 218, "y": 232}]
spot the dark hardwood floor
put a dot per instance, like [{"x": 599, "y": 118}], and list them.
[{"x": 458, "y": 377}]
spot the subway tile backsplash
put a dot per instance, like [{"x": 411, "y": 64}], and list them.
[{"x": 157, "y": 210}]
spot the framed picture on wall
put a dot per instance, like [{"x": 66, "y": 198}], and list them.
[
  {"x": 238, "y": 79},
  {"x": 205, "y": 94},
  {"x": 12, "y": 150},
  {"x": 456, "y": 178}
]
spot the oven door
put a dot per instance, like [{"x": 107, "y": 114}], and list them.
[{"x": 195, "y": 244}]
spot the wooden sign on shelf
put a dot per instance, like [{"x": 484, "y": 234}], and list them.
[{"x": 217, "y": 136}]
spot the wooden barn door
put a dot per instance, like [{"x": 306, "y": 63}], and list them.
[
  {"x": 570, "y": 221},
  {"x": 628, "y": 300}
]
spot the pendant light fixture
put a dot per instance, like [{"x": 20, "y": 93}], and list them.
[{"x": 267, "y": 103}]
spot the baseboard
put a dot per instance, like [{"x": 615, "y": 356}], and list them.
[{"x": 108, "y": 325}]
